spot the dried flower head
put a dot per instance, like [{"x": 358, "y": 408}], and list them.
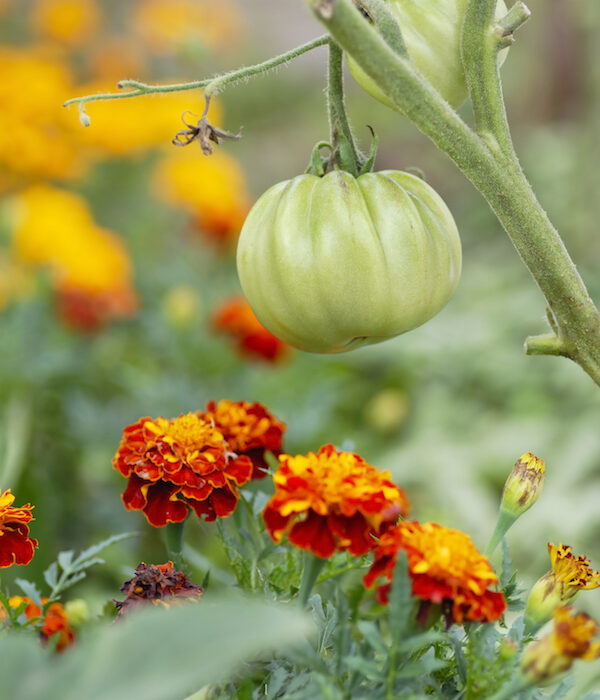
[
  {"x": 249, "y": 429},
  {"x": 179, "y": 463},
  {"x": 446, "y": 569},
  {"x": 570, "y": 639},
  {"x": 332, "y": 501},
  {"x": 16, "y": 547},
  {"x": 569, "y": 575},
  {"x": 156, "y": 585}
]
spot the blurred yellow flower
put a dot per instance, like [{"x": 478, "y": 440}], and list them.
[
  {"x": 68, "y": 22},
  {"x": 14, "y": 280},
  {"x": 166, "y": 26},
  {"x": 126, "y": 127},
  {"x": 90, "y": 267},
  {"x": 37, "y": 137},
  {"x": 212, "y": 188}
]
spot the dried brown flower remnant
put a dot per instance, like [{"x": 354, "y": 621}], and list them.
[{"x": 156, "y": 585}]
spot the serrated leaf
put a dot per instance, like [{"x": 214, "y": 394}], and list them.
[
  {"x": 422, "y": 667},
  {"x": 369, "y": 669},
  {"x": 51, "y": 575},
  {"x": 85, "y": 564},
  {"x": 372, "y": 635},
  {"x": 30, "y": 590},
  {"x": 97, "y": 548},
  {"x": 401, "y": 602},
  {"x": 197, "y": 644},
  {"x": 421, "y": 641},
  {"x": 65, "y": 559}
]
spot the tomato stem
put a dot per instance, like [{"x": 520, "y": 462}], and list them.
[{"x": 485, "y": 156}]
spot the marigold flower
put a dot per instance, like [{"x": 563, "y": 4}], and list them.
[
  {"x": 569, "y": 575},
  {"x": 213, "y": 190},
  {"x": 249, "y": 429},
  {"x": 235, "y": 317},
  {"x": 165, "y": 26},
  {"x": 157, "y": 585},
  {"x": 68, "y": 22},
  {"x": 524, "y": 484},
  {"x": 555, "y": 653},
  {"x": 16, "y": 547},
  {"x": 179, "y": 463},
  {"x": 55, "y": 621},
  {"x": 332, "y": 501},
  {"x": 445, "y": 567}
]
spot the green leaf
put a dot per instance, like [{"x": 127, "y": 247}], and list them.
[
  {"x": 156, "y": 654},
  {"x": 51, "y": 575},
  {"x": 30, "y": 590},
  {"x": 91, "y": 552},
  {"x": 65, "y": 559}
]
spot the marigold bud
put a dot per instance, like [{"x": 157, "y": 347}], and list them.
[
  {"x": 524, "y": 485},
  {"x": 77, "y": 612}
]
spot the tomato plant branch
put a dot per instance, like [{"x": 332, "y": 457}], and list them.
[
  {"x": 212, "y": 86},
  {"x": 494, "y": 171}
]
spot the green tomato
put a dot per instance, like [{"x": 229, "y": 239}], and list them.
[
  {"x": 333, "y": 263},
  {"x": 432, "y": 31}
]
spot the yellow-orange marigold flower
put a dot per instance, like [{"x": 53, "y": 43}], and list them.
[
  {"x": 16, "y": 547},
  {"x": 569, "y": 575},
  {"x": 159, "y": 584},
  {"x": 445, "y": 567},
  {"x": 332, "y": 501},
  {"x": 235, "y": 317},
  {"x": 68, "y": 22},
  {"x": 249, "y": 429},
  {"x": 179, "y": 463},
  {"x": 570, "y": 639},
  {"x": 165, "y": 26},
  {"x": 212, "y": 189},
  {"x": 55, "y": 621}
]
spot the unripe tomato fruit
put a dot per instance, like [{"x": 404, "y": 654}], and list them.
[
  {"x": 332, "y": 263},
  {"x": 431, "y": 30}
]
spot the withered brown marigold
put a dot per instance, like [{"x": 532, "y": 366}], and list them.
[
  {"x": 172, "y": 465},
  {"x": 446, "y": 569},
  {"x": 332, "y": 501},
  {"x": 249, "y": 429},
  {"x": 159, "y": 584},
  {"x": 16, "y": 547}
]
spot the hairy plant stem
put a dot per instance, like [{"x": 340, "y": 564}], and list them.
[
  {"x": 486, "y": 158},
  {"x": 212, "y": 86}
]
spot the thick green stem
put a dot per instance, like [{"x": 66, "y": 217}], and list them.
[
  {"x": 310, "y": 573},
  {"x": 495, "y": 172},
  {"x": 174, "y": 541},
  {"x": 212, "y": 85},
  {"x": 503, "y": 525}
]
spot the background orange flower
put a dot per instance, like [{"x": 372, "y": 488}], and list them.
[
  {"x": 332, "y": 501},
  {"x": 16, "y": 547},
  {"x": 446, "y": 570},
  {"x": 55, "y": 621},
  {"x": 173, "y": 464}
]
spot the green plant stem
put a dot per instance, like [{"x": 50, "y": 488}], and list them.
[
  {"x": 212, "y": 85},
  {"x": 174, "y": 540},
  {"x": 310, "y": 572},
  {"x": 17, "y": 425},
  {"x": 494, "y": 170},
  {"x": 503, "y": 525}
]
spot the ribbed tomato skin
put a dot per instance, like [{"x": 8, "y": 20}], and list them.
[{"x": 329, "y": 264}]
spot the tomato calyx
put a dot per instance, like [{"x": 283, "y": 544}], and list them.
[{"x": 320, "y": 165}]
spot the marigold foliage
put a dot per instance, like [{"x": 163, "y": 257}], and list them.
[
  {"x": 445, "y": 567},
  {"x": 55, "y": 621},
  {"x": 249, "y": 429},
  {"x": 235, "y": 317},
  {"x": 570, "y": 639},
  {"x": 172, "y": 465},
  {"x": 16, "y": 547},
  {"x": 160, "y": 584},
  {"x": 332, "y": 501}
]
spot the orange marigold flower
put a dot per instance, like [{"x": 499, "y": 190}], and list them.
[
  {"x": 173, "y": 464},
  {"x": 236, "y": 318},
  {"x": 332, "y": 501},
  {"x": 16, "y": 547},
  {"x": 69, "y": 22},
  {"x": 445, "y": 567},
  {"x": 555, "y": 653},
  {"x": 569, "y": 575},
  {"x": 87, "y": 310},
  {"x": 161, "y": 584},
  {"x": 249, "y": 429},
  {"x": 55, "y": 621}
]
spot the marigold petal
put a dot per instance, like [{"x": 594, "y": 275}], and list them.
[
  {"x": 313, "y": 533},
  {"x": 163, "y": 506}
]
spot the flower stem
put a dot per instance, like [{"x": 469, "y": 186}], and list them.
[
  {"x": 503, "y": 524},
  {"x": 174, "y": 541},
  {"x": 310, "y": 572},
  {"x": 212, "y": 85},
  {"x": 486, "y": 158}
]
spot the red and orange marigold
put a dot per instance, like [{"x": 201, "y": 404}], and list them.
[
  {"x": 16, "y": 547},
  {"x": 332, "y": 501},
  {"x": 249, "y": 429},
  {"x": 446, "y": 569},
  {"x": 235, "y": 317},
  {"x": 55, "y": 621},
  {"x": 177, "y": 464}
]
